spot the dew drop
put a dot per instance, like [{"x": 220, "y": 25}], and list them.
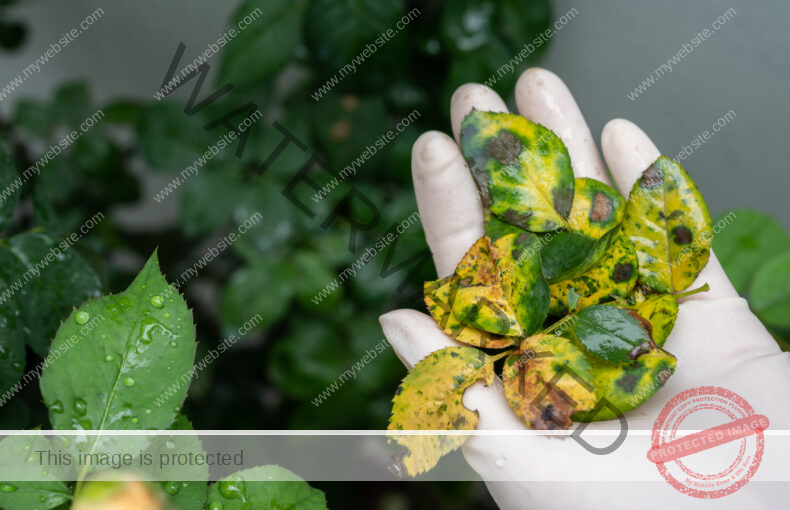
[
  {"x": 232, "y": 488},
  {"x": 170, "y": 445},
  {"x": 129, "y": 381},
  {"x": 216, "y": 506},
  {"x": 17, "y": 365},
  {"x": 82, "y": 317},
  {"x": 7, "y": 487},
  {"x": 167, "y": 315},
  {"x": 135, "y": 419},
  {"x": 177, "y": 409},
  {"x": 56, "y": 407},
  {"x": 3, "y": 352},
  {"x": 158, "y": 302},
  {"x": 44, "y": 472},
  {"x": 148, "y": 411},
  {"x": 173, "y": 344},
  {"x": 80, "y": 407},
  {"x": 109, "y": 357},
  {"x": 172, "y": 488}
]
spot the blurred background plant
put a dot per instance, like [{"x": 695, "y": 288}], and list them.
[{"x": 271, "y": 378}]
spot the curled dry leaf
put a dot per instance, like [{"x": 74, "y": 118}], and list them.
[
  {"x": 522, "y": 169},
  {"x": 430, "y": 398},
  {"x": 669, "y": 223}
]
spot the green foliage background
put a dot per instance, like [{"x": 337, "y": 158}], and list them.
[{"x": 268, "y": 380}]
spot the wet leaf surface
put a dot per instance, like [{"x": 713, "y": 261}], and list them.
[
  {"x": 667, "y": 220},
  {"x": 38, "y": 491},
  {"x": 264, "y": 487},
  {"x": 118, "y": 353},
  {"x": 660, "y": 311},
  {"x": 612, "y": 333}
]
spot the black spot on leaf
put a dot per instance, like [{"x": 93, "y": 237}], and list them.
[
  {"x": 602, "y": 208},
  {"x": 682, "y": 234},
  {"x": 505, "y": 148},
  {"x": 652, "y": 177},
  {"x": 622, "y": 272}
]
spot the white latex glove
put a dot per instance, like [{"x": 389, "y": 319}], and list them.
[{"x": 716, "y": 339}]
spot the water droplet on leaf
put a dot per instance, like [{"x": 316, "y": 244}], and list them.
[
  {"x": 158, "y": 302},
  {"x": 80, "y": 407},
  {"x": 56, "y": 407},
  {"x": 129, "y": 381},
  {"x": 82, "y": 317}
]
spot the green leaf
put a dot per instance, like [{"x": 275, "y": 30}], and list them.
[
  {"x": 9, "y": 189},
  {"x": 118, "y": 354},
  {"x": 770, "y": 293},
  {"x": 35, "y": 116},
  {"x": 315, "y": 275},
  {"x": 171, "y": 140},
  {"x": 358, "y": 27},
  {"x": 219, "y": 189},
  {"x": 52, "y": 279},
  {"x": 262, "y": 290},
  {"x": 612, "y": 333},
  {"x": 12, "y": 341},
  {"x": 185, "y": 495},
  {"x": 668, "y": 222},
  {"x": 430, "y": 398},
  {"x": 72, "y": 104},
  {"x": 522, "y": 168},
  {"x": 281, "y": 489},
  {"x": 566, "y": 255},
  {"x": 613, "y": 276},
  {"x": 122, "y": 112},
  {"x": 19, "y": 460},
  {"x": 272, "y": 31},
  {"x": 520, "y": 22},
  {"x": 467, "y": 25},
  {"x": 304, "y": 363},
  {"x": 94, "y": 155},
  {"x": 749, "y": 239}
]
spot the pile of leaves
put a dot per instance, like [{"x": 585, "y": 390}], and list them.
[{"x": 574, "y": 288}]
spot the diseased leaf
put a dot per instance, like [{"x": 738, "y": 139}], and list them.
[
  {"x": 613, "y": 276},
  {"x": 118, "y": 354},
  {"x": 522, "y": 169},
  {"x": 667, "y": 220},
  {"x": 597, "y": 208},
  {"x": 584, "y": 377},
  {"x": 438, "y": 298},
  {"x": 496, "y": 228},
  {"x": 430, "y": 398},
  {"x": 770, "y": 293},
  {"x": 480, "y": 299},
  {"x": 660, "y": 310},
  {"x": 517, "y": 263},
  {"x": 750, "y": 239},
  {"x": 612, "y": 333},
  {"x": 51, "y": 281},
  {"x": 264, "y": 487},
  {"x": 41, "y": 489},
  {"x": 567, "y": 254}
]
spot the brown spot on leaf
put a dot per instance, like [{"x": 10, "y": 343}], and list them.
[
  {"x": 622, "y": 272},
  {"x": 505, "y": 148},
  {"x": 517, "y": 218},
  {"x": 459, "y": 422},
  {"x": 602, "y": 208},
  {"x": 652, "y": 177},
  {"x": 682, "y": 234},
  {"x": 555, "y": 415}
]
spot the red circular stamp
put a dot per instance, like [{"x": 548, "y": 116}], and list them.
[{"x": 719, "y": 459}]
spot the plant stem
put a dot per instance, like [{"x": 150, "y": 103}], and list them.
[
  {"x": 704, "y": 288},
  {"x": 558, "y": 323}
]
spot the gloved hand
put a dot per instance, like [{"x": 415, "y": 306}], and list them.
[{"x": 716, "y": 339}]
